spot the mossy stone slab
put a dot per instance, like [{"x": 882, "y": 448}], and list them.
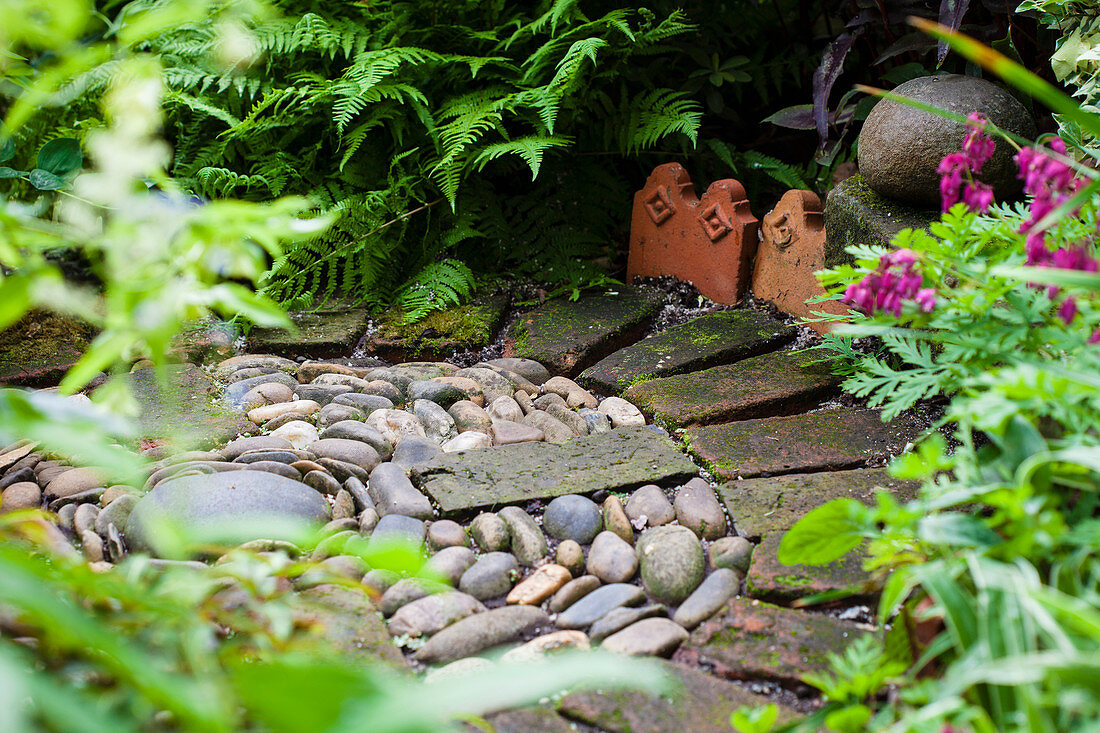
[
  {"x": 829, "y": 440},
  {"x": 700, "y": 703},
  {"x": 440, "y": 334},
  {"x": 526, "y": 720},
  {"x": 778, "y": 383},
  {"x": 186, "y": 410},
  {"x": 321, "y": 333},
  {"x": 750, "y": 639},
  {"x": 759, "y": 506},
  {"x": 620, "y": 460},
  {"x": 715, "y": 338},
  {"x": 771, "y": 580},
  {"x": 38, "y": 349},
  {"x": 854, "y": 214},
  {"x": 349, "y": 624},
  {"x": 568, "y": 336}
]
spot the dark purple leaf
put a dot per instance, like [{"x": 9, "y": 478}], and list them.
[
  {"x": 798, "y": 117},
  {"x": 951, "y": 15},
  {"x": 832, "y": 63},
  {"x": 910, "y": 42}
]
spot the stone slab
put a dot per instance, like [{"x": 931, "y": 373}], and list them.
[
  {"x": 347, "y": 622},
  {"x": 829, "y": 440},
  {"x": 700, "y": 704},
  {"x": 750, "y": 639},
  {"x": 771, "y": 580},
  {"x": 772, "y": 384},
  {"x": 854, "y": 214},
  {"x": 568, "y": 336},
  {"x": 321, "y": 333},
  {"x": 620, "y": 460},
  {"x": 525, "y": 720},
  {"x": 762, "y": 505},
  {"x": 439, "y": 335},
  {"x": 715, "y": 338}
]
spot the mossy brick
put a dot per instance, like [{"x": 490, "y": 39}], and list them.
[
  {"x": 620, "y": 460},
  {"x": 715, "y": 338},
  {"x": 321, "y": 333},
  {"x": 770, "y": 580},
  {"x": 829, "y": 440},
  {"x": 440, "y": 334},
  {"x": 778, "y": 383},
  {"x": 759, "y": 506},
  {"x": 568, "y": 336},
  {"x": 38, "y": 349},
  {"x": 854, "y": 214},
  {"x": 699, "y": 703},
  {"x": 750, "y": 639}
]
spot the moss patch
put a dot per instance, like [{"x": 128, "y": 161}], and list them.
[
  {"x": 38, "y": 349},
  {"x": 471, "y": 326},
  {"x": 854, "y": 214}
]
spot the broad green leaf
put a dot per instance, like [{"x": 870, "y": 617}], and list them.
[
  {"x": 956, "y": 530},
  {"x": 824, "y": 535},
  {"x": 6, "y": 172},
  {"x": 754, "y": 719},
  {"x": 61, "y": 156},
  {"x": 7, "y": 149},
  {"x": 897, "y": 588},
  {"x": 46, "y": 181}
]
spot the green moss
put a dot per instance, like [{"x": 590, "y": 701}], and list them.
[{"x": 40, "y": 336}]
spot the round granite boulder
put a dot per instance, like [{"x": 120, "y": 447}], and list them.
[
  {"x": 900, "y": 146},
  {"x": 230, "y": 507}
]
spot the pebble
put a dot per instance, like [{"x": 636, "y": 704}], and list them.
[
  {"x": 598, "y": 603},
  {"x": 359, "y": 493},
  {"x": 481, "y": 631},
  {"x": 490, "y": 577},
  {"x": 671, "y": 561},
  {"x": 310, "y": 370},
  {"x": 289, "y": 417},
  {"x": 344, "y": 506},
  {"x": 235, "y": 393},
  {"x": 598, "y": 423},
  {"x": 508, "y": 433},
  {"x": 615, "y": 519},
  {"x": 572, "y": 517},
  {"x": 570, "y": 556},
  {"x": 405, "y": 591},
  {"x": 323, "y": 482},
  {"x": 697, "y": 508},
  {"x": 468, "y": 667},
  {"x": 438, "y": 424},
  {"x": 17, "y": 476},
  {"x": 620, "y": 618},
  {"x": 544, "y": 401},
  {"x": 611, "y": 559},
  {"x": 249, "y": 361},
  {"x": 568, "y": 418},
  {"x": 347, "y": 380},
  {"x": 439, "y": 393},
  {"x": 451, "y": 562},
  {"x": 446, "y": 533},
  {"x": 492, "y": 384},
  {"x": 243, "y": 445},
  {"x": 621, "y": 413},
  {"x": 342, "y": 470},
  {"x": 115, "y": 513},
  {"x": 304, "y": 466},
  {"x": 490, "y": 532},
  {"x": 518, "y": 380},
  {"x": 394, "y": 424},
  {"x": 322, "y": 394},
  {"x": 268, "y": 393},
  {"x": 399, "y": 528},
  {"x": 555, "y": 430},
  {"x": 298, "y": 433},
  {"x": 540, "y": 646},
  {"x": 708, "y": 598},
  {"x": 368, "y": 520},
  {"x": 573, "y": 394},
  {"x": 651, "y": 503},
  {"x": 91, "y": 545},
  {"x": 355, "y": 430},
  {"x": 648, "y": 637},
  {"x": 279, "y": 456},
  {"x": 528, "y": 541},
  {"x": 333, "y": 413},
  {"x": 393, "y": 493},
  {"x": 84, "y": 519},
  {"x": 734, "y": 553},
  {"x": 385, "y": 383},
  {"x": 22, "y": 495},
  {"x": 573, "y": 591},
  {"x": 65, "y": 516},
  {"x": 260, "y": 415},
  {"x": 415, "y": 449},
  {"x": 380, "y": 580},
  {"x": 345, "y": 567},
  {"x": 73, "y": 481},
  {"x": 468, "y": 416},
  {"x": 365, "y": 403},
  {"x": 469, "y": 387},
  {"x": 540, "y": 585},
  {"x": 431, "y": 614},
  {"x": 506, "y": 409},
  {"x": 523, "y": 399},
  {"x": 355, "y": 452},
  {"x": 470, "y": 440},
  {"x": 529, "y": 369}
]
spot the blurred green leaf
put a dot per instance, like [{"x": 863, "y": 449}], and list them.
[
  {"x": 823, "y": 535},
  {"x": 46, "y": 181},
  {"x": 61, "y": 156}
]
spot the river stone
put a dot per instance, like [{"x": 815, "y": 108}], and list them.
[
  {"x": 490, "y": 532},
  {"x": 399, "y": 528},
  {"x": 599, "y": 603},
  {"x": 21, "y": 495},
  {"x": 355, "y": 430},
  {"x": 900, "y": 147},
  {"x": 266, "y": 393},
  {"x": 649, "y": 502},
  {"x": 616, "y": 520},
  {"x": 539, "y": 647},
  {"x": 708, "y": 598},
  {"x": 322, "y": 394},
  {"x": 279, "y": 456},
  {"x": 734, "y": 553},
  {"x": 506, "y": 409},
  {"x": 333, "y": 413},
  {"x": 84, "y": 519},
  {"x": 554, "y": 430},
  {"x": 356, "y": 383},
  {"x": 395, "y": 424},
  {"x": 404, "y": 592},
  {"x": 115, "y": 513},
  {"x": 438, "y": 424},
  {"x": 540, "y": 585},
  {"x": 573, "y": 394},
  {"x": 528, "y": 541},
  {"x": 469, "y": 387},
  {"x": 393, "y": 493},
  {"x": 260, "y": 415},
  {"x": 428, "y": 615},
  {"x": 492, "y": 385},
  {"x": 451, "y": 562},
  {"x": 529, "y": 369},
  {"x": 671, "y": 561},
  {"x": 440, "y": 394},
  {"x": 392, "y": 389},
  {"x": 598, "y": 423},
  {"x": 697, "y": 508},
  {"x": 518, "y": 380},
  {"x": 570, "y": 556},
  {"x": 380, "y": 580},
  {"x": 570, "y": 419},
  {"x": 298, "y": 433},
  {"x": 365, "y": 403},
  {"x": 620, "y": 412},
  {"x": 649, "y": 637},
  {"x": 481, "y": 631},
  {"x": 490, "y": 577},
  {"x": 572, "y": 592},
  {"x": 322, "y": 482},
  {"x": 446, "y": 533},
  {"x": 235, "y": 393},
  {"x": 572, "y": 517},
  {"x": 468, "y": 416},
  {"x": 414, "y": 449},
  {"x": 349, "y": 626},
  {"x": 611, "y": 559},
  {"x": 506, "y": 432},
  {"x": 622, "y": 617},
  {"x": 470, "y": 440},
  {"x": 229, "y": 507},
  {"x": 350, "y": 451},
  {"x": 74, "y": 481}
]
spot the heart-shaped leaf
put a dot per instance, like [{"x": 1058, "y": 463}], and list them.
[
  {"x": 61, "y": 156},
  {"x": 46, "y": 181}
]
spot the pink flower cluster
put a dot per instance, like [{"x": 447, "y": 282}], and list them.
[
  {"x": 977, "y": 149},
  {"x": 895, "y": 279}
]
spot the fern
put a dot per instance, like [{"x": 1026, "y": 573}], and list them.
[
  {"x": 530, "y": 149},
  {"x": 438, "y": 286}
]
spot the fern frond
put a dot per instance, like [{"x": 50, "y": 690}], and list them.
[
  {"x": 440, "y": 285},
  {"x": 529, "y": 148}
]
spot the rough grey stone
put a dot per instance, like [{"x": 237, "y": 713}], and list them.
[
  {"x": 393, "y": 493},
  {"x": 415, "y": 449},
  {"x": 611, "y": 559},
  {"x": 599, "y": 603},
  {"x": 719, "y": 587},
  {"x": 671, "y": 561},
  {"x": 491, "y": 576},
  {"x": 572, "y": 517},
  {"x": 481, "y": 631},
  {"x": 528, "y": 541}
]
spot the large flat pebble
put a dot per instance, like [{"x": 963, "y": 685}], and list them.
[{"x": 479, "y": 632}]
